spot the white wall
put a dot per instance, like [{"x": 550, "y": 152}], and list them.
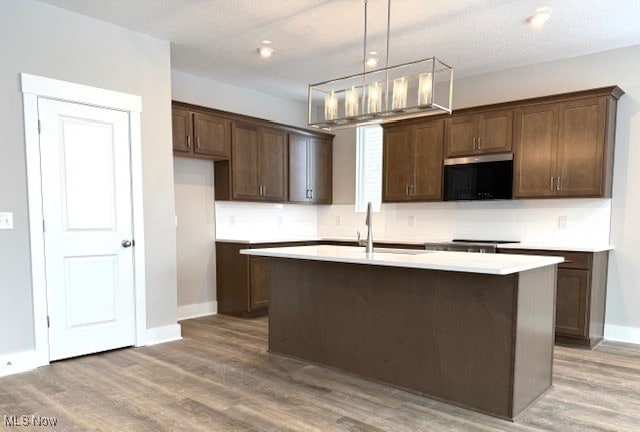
[
  {"x": 194, "y": 192},
  {"x": 617, "y": 67},
  {"x": 48, "y": 41},
  {"x": 215, "y": 94},
  {"x": 195, "y": 236}
]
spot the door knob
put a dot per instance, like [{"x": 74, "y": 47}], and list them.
[{"x": 126, "y": 243}]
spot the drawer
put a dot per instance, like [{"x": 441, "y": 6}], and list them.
[{"x": 572, "y": 260}]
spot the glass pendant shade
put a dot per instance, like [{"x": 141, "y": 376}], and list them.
[
  {"x": 330, "y": 106},
  {"x": 399, "y": 100},
  {"x": 374, "y": 98},
  {"x": 351, "y": 102},
  {"x": 425, "y": 88}
]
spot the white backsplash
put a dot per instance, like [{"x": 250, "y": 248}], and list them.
[
  {"x": 244, "y": 220},
  {"x": 530, "y": 221}
]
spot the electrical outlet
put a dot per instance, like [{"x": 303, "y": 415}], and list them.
[
  {"x": 6, "y": 221},
  {"x": 412, "y": 221},
  {"x": 338, "y": 220},
  {"x": 562, "y": 222}
]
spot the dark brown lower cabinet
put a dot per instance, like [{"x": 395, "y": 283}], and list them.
[
  {"x": 580, "y": 295},
  {"x": 242, "y": 282}
]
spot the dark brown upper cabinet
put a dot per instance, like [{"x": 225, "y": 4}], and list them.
[
  {"x": 258, "y": 163},
  {"x": 565, "y": 148},
  {"x": 310, "y": 169},
  {"x": 479, "y": 133},
  {"x": 412, "y": 162},
  {"x": 198, "y": 134}
]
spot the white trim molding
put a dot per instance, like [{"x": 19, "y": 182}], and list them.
[
  {"x": 158, "y": 335},
  {"x": 622, "y": 334},
  {"x": 33, "y": 88},
  {"x": 19, "y": 362},
  {"x": 79, "y": 93},
  {"x": 197, "y": 310}
]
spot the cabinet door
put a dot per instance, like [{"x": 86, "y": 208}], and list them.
[
  {"x": 244, "y": 162},
  {"x": 398, "y": 164},
  {"x": 211, "y": 135},
  {"x": 581, "y": 141},
  {"x": 571, "y": 302},
  {"x": 272, "y": 164},
  {"x": 182, "y": 130},
  {"x": 428, "y": 142},
  {"x": 495, "y": 131},
  {"x": 460, "y": 136},
  {"x": 534, "y": 165},
  {"x": 298, "y": 168},
  {"x": 320, "y": 170},
  {"x": 259, "y": 282}
]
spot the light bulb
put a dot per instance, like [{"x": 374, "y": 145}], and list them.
[{"x": 266, "y": 51}]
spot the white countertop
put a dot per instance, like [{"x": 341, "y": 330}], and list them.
[
  {"x": 532, "y": 246},
  {"x": 499, "y": 264}
]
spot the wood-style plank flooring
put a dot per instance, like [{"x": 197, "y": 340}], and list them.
[{"x": 220, "y": 378}]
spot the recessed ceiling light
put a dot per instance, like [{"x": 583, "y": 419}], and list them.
[
  {"x": 372, "y": 62},
  {"x": 538, "y": 19},
  {"x": 373, "y": 53},
  {"x": 266, "y": 42},
  {"x": 266, "y": 51}
]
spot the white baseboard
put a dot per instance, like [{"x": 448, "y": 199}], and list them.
[
  {"x": 622, "y": 334},
  {"x": 19, "y": 362},
  {"x": 158, "y": 335},
  {"x": 197, "y": 310}
]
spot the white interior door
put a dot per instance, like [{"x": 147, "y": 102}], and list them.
[{"x": 86, "y": 189}]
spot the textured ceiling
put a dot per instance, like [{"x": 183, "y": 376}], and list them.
[{"x": 316, "y": 40}]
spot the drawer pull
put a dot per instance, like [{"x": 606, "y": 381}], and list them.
[{"x": 568, "y": 261}]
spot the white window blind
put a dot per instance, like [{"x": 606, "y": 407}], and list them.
[{"x": 369, "y": 167}]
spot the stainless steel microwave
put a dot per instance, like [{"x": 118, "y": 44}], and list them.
[{"x": 487, "y": 177}]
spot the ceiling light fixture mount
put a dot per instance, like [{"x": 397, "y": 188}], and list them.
[
  {"x": 540, "y": 18},
  {"x": 266, "y": 50},
  {"x": 407, "y": 90}
]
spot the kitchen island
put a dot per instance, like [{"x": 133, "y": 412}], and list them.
[{"x": 475, "y": 330}]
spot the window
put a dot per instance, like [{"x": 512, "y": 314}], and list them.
[{"x": 369, "y": 167}]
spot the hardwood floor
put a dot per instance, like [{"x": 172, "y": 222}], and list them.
[{"x": 220, "y": 378}]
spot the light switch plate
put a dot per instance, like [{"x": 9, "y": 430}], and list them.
[{"x": 6, "y": 220}]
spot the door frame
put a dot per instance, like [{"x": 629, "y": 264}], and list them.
[{"x": 34, "y": 87}]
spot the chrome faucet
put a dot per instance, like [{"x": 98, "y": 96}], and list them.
[{"x": 369, "y": 241}]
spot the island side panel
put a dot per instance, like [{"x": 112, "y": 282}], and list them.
[
  {"x": 449, "y": 335},
  {"x": 534, "y": 335}
]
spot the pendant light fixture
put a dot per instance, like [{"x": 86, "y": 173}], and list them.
[{"x": 414, "y": 89}]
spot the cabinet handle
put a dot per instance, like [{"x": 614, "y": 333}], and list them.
[
  {"x": 551, "y": 186},
  {"x": 475, "y": 143},
  {"x": 311, "y": 193},
  {"x": 197, "y": 142},
  {"x": 188, "y": 141},
  {"x": 479, "y": 141},
  {"x": 412, "y": 190},
  {"x": 406, "y": 192},
  {"x": 568, "y": 261},
  {"x": 264, "y": 190},
  {"x": 559, "y": 183}
]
